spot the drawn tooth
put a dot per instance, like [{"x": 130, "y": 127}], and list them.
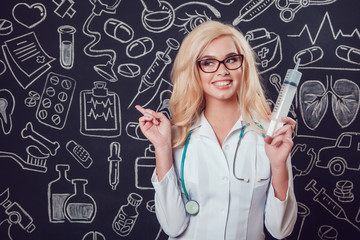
[{"x": 3, "y": 107}]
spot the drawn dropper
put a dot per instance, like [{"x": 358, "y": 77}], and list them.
[
  {"x": 251, "y": 10},
  {"x": 114, "y": 164},
  {"x": 328, "y": 203}
]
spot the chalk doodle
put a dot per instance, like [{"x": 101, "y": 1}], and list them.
[
  {"x": 251, "y": 10},
  {"x": 64, "y": 8},
  {"x": 32, "y": 99},
  {"x": 144, "y": 168},
  {"x": 7, "y": 106},
  {"x": 66, "y": 46},
  {"x": 114, "y": 160},
  {"x": 157, "y": 16},
  {"x": 29, "y": 15},
  {"x": 139, "y": 47},
  {"x": 6, "y": 27},
  {"x": 79, "y": 153}
]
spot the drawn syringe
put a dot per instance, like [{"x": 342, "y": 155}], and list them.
[
  {"x": 162, "y": 59},
  {"x": 328, "y": 203}
]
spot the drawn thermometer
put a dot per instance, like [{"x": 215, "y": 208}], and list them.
[{"x": 251, "y": 10}]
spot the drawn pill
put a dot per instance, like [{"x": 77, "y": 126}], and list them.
[
  {"x": 5, "y": 27},
  {"x": 34, "y": 95},
  {"x": 309, "y": 55},
  {"x": 46, "y": 103},
  {"x": 118, "y": 30},
  {"x": 30, "y": 102},
  {"x": 50, "y": 91},
  {"x": 139, "y": 47},
  {"x": 2, "y": 67},
  {"x": 129, "y": 70},
  {"x": 94, "y": 236},
  {"x": 66, "y": 84},
  {"x": 56, "y": 119},
  {"x": 42, "y": 114},
  {"x": 62, "y": 96},
  {"x": 54, "y": 80},
  {"x": 59, "y": 108},
  {"x": 348, "y": 54},
  {"x": 327, "y": 232}
]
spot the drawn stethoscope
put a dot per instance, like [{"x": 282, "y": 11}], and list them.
[
  {"x": 288, "y": 8},
  {"x": 192, "y": 207}
]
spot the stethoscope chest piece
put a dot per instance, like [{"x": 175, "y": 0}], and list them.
[{"x": 192, "y": 207}]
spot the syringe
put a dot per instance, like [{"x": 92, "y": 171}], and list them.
[
  {"x": 285, "y": 98},
  {"x": 162, "y": 59},
  {"x": 328, "y": 203}
]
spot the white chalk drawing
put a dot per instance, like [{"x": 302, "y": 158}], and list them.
[
  {"x": 133, "y": 130},
  {"x": 345, "y": 101},
  {"x": 79, "y": 153},
  {"x": 7, "y": 106},
  {"x": 309, "y": 55},
  {"x": 56, "y": 100},
  {"x": 326, "y": 19},
  {"x": 58, "y": 191},
  {"x": 164, "y": 105},
  {"x": 190, "y": 15},
  {"x": 308, "y": 160},
  {"x": 39, "y": 165},
  {"x": 154, "y": 72},
  {"x": 303, "y": 212},
  {"x": 29, "y": 132},
  {"x": 66, "y": 46},
  {"x": 139, "y": 47},
  {"x": 32, "y": 99},
  {"x": 275, "y": 80},
  {"x": 80, "y": 207},
  {"x": 94, "y": 235},
  {"x": 341, "y": 156},
  {"x": 343, "y": 191},
  {"x": 357, "y": 218},
  {"x": 348, "y": 54},
  {"x": 267, "y": 46},
  {"x": 2, "y": 67},
  {"x": 160, "y": 100},
  {"x": 225, "y": 2},
  {"x": 144, "y": 168},
  {"x": 26, "y": 59},
  {"x": 157, "y": 16},
  {"x": 29, "y": 15},
  {"x": 104, "y": 70},
  {"x": 125, "y": 219},
  {"x": 118, "y": 30},
  {"x": 100, "y": 113},
  {"x": 129, "y": 70},
  {"x": 289, "y": 8},
  {"x": 64, "y": 8},
  {"x": 328, "y": 203},
  {"x": 150, "y": 206},
  {"x": 6, "y": 27},
  {"x": 114, "y": 160},
  {"x": 15, "y": 215},
  {"x": 251, "y": 10},
  {"x": 327, "y": 232}
]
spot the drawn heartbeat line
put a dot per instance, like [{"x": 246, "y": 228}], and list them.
[
  {"x": 326, "y": 18},
  {"x": 106, "y": 116},
  {"x": 96, "y": 102}
]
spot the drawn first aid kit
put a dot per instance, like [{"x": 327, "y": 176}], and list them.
[
  {"x": 100, "y": 112},
  {"x": 55, "y": 100}
]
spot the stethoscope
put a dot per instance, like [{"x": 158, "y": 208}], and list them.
[{"x": 192, "y": 207}]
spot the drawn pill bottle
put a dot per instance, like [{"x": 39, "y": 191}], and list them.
[
  {"x": 58, "y": 191},
  {"x": 80, "y": 207},
  {"x": 66, "y": 42},
  {"x": 144, "y": 168},
  {"x": 127, "y": 215}
]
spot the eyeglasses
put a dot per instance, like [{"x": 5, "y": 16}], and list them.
[{"x": 210, "y": 65}]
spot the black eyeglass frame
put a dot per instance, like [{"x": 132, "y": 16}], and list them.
[{"x": 222, "y": 62}]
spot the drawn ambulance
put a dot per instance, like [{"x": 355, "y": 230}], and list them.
[{"x": 343, "y": 155}]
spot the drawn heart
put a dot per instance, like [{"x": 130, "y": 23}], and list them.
[
  {"x": 313, "y": 103},
  {"x": 345, "y": 101},
  {"x": 29, "y": 15}
]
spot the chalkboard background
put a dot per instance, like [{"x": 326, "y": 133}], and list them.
[{"x": 70, "y": 73}]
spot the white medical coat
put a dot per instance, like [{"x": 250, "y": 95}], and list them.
[{"x": 229, "y": 208}]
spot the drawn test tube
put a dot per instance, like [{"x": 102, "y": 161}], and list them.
[{"x": 66, "y": 41}]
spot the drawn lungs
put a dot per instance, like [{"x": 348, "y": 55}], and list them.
[
  {"x": 313, "y": 103},
  {"x": 345, "y": 101}
]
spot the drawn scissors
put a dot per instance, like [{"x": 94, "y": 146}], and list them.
[{"x": 290, "y": 7}]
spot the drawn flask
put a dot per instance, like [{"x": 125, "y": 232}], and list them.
[
  {"x": 80, "y": 207},
  {"x": 58, "y": 191},
  {"x": 127, "y": 215}
]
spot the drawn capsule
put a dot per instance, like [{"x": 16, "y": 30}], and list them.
[
  {"x": 139, "y": 47},
  {"x": 118, "y": 30},
  {"x": 309, "y": 55},
  {"x": 348, "y": 54}
]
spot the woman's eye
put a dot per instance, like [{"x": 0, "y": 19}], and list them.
[
  {"x": 231, "y": 60},
  {"x": 208, "y": 63}
]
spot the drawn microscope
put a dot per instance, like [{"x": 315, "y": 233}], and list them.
[{"x": 13, "y": 214}]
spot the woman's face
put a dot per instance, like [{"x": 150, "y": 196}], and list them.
[{"x": 222, "y": 84}]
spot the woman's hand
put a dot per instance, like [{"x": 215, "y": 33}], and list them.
[{"x": 155, "y": 126}]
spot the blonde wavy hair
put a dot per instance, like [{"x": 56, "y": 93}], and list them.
[{"x": 187, "y": 100}]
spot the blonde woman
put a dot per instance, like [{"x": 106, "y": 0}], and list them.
[{"x": 216, "y": 175}]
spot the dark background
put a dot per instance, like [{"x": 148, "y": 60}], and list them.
[{"x": 329, "y": 84}]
